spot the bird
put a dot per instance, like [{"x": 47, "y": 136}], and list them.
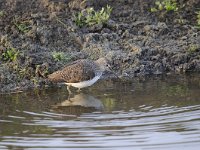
[{"x": 80, "y": 73}]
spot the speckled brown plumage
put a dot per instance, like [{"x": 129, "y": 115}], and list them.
[{"x": 80, "y": 70}]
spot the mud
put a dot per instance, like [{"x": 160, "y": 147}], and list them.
[{"x": 136, "y": 41}]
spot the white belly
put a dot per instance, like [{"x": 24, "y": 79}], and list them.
[{"x": 85, "y": 83}]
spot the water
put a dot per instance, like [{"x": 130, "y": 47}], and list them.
[{"x": 111, "y": 115}]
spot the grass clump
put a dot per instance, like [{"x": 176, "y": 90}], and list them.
[
  {"x": 90, "y": 17},
  {"x": 198, "y": 19},
  {"x": 1, "y": 13},
  {"x": 193, "y": 48},
  {"x": 167, "y": 5},
  {"x": 60, "y": 56},
  {"x": 23, "y": 26},
  {"x": 10, "y": 54}
]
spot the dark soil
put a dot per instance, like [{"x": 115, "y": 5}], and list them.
[{"x": 136, "y": 41}]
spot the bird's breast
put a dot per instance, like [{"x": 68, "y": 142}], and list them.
[{"x": 85, "y": 83}]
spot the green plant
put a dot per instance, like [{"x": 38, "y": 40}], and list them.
[
  {"x": 35, "y": 80},
  {"x": 91, "y": 17},
  {"x": 168, "y": 5},
  {"x": 198, "y": 19},
  {"x": 41, "y": 70},
  {"x": 193, "y": 48},
  {"x": 22, "y": 26},
  {"x": 60, "y": 56},
  {"x": 22, "y": 72},
  {"x": 10, "y": 54},
  {"x": 80, "y": 20},
  {"x": 1, "y": 13}
]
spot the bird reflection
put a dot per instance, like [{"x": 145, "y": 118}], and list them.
[{"x": 80, "y": 103}]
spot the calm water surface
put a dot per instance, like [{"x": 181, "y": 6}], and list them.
[{"x": 112, "y": 115}]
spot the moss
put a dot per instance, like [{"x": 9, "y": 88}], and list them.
[{"x": 193, "y": 48}]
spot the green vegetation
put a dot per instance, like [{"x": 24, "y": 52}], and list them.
[
  {"x": 198, "y": 19},
  {"x": 1, "y": 13},
  {"x": 177, "y": 90},
  {"x": 10, "y": 54},
  {"x": 23, "y": 27},
  {"x": 168, "y": 5},
  {"x": 23, "y": 72},
  {"x": 41, "y": 70},
  {"x": 91, "y": 17},
  {"x": 193, "y": 48},
  {"x": 60, "y": 56},
  {"x": 80, "y": 20},
  {"x": 34, "y": 80}
]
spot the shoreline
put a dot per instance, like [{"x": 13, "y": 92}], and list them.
[{"x": 139, "y": 43}]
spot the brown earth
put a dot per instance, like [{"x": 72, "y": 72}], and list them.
[{"x": 136, "y": 41}]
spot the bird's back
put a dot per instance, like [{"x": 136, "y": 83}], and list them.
[{"x": 78, "y": 71}]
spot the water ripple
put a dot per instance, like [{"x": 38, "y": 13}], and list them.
[{"x": 145, "y": 122}]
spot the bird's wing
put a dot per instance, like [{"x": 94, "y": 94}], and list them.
[
  {"x": 77, "y": 72},
  {"x": 74, "y": 72}
]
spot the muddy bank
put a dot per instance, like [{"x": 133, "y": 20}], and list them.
[{"x": 39, "y": 37}]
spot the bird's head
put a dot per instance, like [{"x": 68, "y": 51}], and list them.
[{"x": 103, "y": 64}]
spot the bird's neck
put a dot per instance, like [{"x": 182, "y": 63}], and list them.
[
  {"x": 99, "y": 70},
  {"x": 99, "y": 67},
  {"x": 98, "y": 73}
]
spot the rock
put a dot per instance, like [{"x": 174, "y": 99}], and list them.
[
  {"x": 95, "y": 28},
  {"x": 112, "y": 25},
  {"x": 184, "y": 38},
  {"x": 155, "y": 58},
  {"x": 179, "y": 59},
  {"x": 193, "y": 65},
  {"x": 158, "y": 69}
]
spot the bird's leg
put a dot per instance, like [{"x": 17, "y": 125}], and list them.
[{"x": 68, "y": 89}]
